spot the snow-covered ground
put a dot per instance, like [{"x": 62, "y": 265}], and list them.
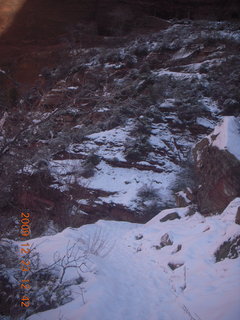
[
  {"x": 124, "y": 181},
  {"x": 129, "y": 276}
]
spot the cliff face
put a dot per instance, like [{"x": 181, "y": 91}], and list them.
[
  {"x": 218, "y": 167},
  {"x": 29, "y": 28},
  {"x": 46, "y": 19}
]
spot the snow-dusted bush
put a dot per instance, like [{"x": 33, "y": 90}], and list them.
[
  {"x": 147, "y": 192},
  {"x": 137, "y": 149},
  {"x": 186, "y": 177},
  {"x": 114, "y": 121},
  {"x": 89, "y": 165},
  {"x": 149, "y": 201},
  {"x": 142, "y": 127}
]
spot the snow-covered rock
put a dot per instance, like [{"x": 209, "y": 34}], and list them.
[
  {"x": 217, "y": 160},
  {"x": 226, "y": 136}
]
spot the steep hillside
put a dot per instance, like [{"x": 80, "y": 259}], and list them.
[
  {"x": 124, "y": 128},
  {"x": 109, "y": 132}
]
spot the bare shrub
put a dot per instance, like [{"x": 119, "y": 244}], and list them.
[
  {"x": 97, "y": 244},
  {"x": 138, "y": 149},
  {"x": 114, "y": 121},
  {"x": 147, "y": 192},
  {"x": 142, "y": 127},
  {"x": 89, "y": 165},
  {"x": 48, "y": 285},
  {"x": 153, "y": 207},
  {"x": 186, "y": 177},
  {"x": 149, "y": 201}
]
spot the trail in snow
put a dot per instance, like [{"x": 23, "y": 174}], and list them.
[{"x": 134, "y": 281}]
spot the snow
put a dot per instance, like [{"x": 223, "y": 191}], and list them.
[
  {"x": 178, "y": 75},
  {"x": 181, "y": 54},
  {"x": 131, "y": 280},
  {"x": 208, "y": 63},
  {"x": 103, "y": 110},
  {"x": 210, "y": 105},
  {"x": 184, "y": 196},
  {"x": 113, "y": 65},
  {"x": 226, "y": 136},
  {"x": 168, "y": 104},
  {"x": 124, "y": 179},
  {"x": 230, "y": 35},
  {"x": 111, "y": 142},
  {"x": 126, "y": 182},
  {"x": 73, "y": 88},
  {"x": 205, "y": 122}
]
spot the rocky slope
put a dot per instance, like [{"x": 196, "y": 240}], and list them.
[
  {"x": 113, "y": 120},
  {"x": 34, "y": 32}
]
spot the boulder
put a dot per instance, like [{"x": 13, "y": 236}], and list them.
[
  {"x": 170, "y": 216},
  {"x": 165, "y": 240},
  {"x": 174, "y": 266},
  {"x": 217, "y": 165}
]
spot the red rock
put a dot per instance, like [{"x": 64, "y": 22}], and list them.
[
  {"x": 219, "y": 177},
  {"x": 184, "y": 198}
]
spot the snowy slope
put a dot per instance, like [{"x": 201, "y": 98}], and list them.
[
  {"x": 124, "y": 181},
  {"x": 130, "y": 279}
]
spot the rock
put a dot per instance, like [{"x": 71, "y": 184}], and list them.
[
  {"x": 114, "y": 19},
  {"x": 229, "y": 249},
  {"x": 179, "y": 247},
  {"x": 170, "y": 216},
  {"x": 218, "y": 171},
  {"x": 174, "y": 266},
  {"x": 184, "y": 198},
  {"x": 165, "y": 240},
  {"x": 237, "y": 219},
  {"x": 192, "y": 209}
]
